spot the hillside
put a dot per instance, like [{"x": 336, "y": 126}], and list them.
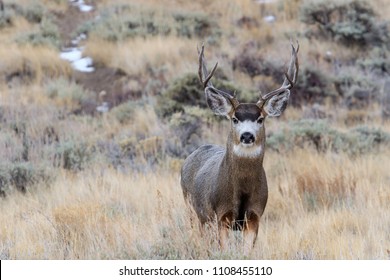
[{"x": 100, "y": 104}]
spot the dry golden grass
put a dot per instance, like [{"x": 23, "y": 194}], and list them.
[
  {"x": 168, "y": 54},
  {"x": 33, "y": 63},
  {"x": 19, "y": 25},
  {"x": 339, "y": 211},
  {"x": 382, "y": 8},
  {"x": 321, "y": 205},
  {"x": 176, "y": 55}
]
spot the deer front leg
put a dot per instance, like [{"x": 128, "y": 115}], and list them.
[
  {"x": 251, "y": 228},
  {"x": 223, "y": 232},
  {"x": 224, "y": 225}
]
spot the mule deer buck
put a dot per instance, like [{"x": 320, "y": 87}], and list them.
[{"x": 230, "y": 183}]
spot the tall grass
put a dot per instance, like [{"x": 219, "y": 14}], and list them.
[
  {"x": 31, "y": 64},
  {"x": 150, "y": 54},
  {"x": 106, "y": 185},
  {"x": 339, "y": 211}
]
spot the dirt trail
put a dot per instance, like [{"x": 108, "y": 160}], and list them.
[
  {"x": 69, "y": 21},
  {"x": 108, "y": 84}
]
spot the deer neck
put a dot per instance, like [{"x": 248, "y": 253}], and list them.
[{"x": 244, "y": 166}]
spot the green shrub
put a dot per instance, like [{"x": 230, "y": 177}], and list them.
[
  {"x": 377, "y": 62},
  {"x": 6, "y": 18},
  {"x": 187, "y": 131},
  {"x": 187, "y": 91},
  {"x": 22, "y": 176},
  {"x": 34, "y": 12},
  {"x": 251, "y": 63},
  {"x": 183, "y": 91},
  {"x": 48, "y": 34},
  {"x": 74, "y": 156},
  {"x": 356, "y": 89},
  {"x": 319, "y": 135},
  {"x": 68, "y": 93},
  {"x": 50, "y": 30},
  {"x": 124, "y": 112},
  {"x": 313, "y": 86},
  {"x": 199, "y": 25},
  {"x": 347, "y": 21},
  {"x": 5, "y": 181},
  {"x": 121, "y": 22},
  {"x": 313, "y": 133},
  {"x": 363, "y": 139}
]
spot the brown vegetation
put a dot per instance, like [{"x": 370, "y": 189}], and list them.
[{"x": 78, "y": 183}]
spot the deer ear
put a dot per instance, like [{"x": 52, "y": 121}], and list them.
[
  {"x": 218, "y": 103},
  {"x": 277, "y": 104}
]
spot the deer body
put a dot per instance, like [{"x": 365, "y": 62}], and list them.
[{"x": 230, "y": 183}]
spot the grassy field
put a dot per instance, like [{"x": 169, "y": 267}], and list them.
[
  {"x": 319, "y": 208},
  {"x": 76, "y": 183}
]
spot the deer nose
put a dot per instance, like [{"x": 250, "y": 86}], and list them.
[{"x": 247, "y": 138}]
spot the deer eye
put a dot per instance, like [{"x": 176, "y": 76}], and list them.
[
  {"x": 260, "y": 120},
  {"x": 235, "y": 121}
]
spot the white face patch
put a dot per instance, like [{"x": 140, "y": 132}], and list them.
[
  {"x": 247, "y": 126},
  {"x": 247, "y": 150}
]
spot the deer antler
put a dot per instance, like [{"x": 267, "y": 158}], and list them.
[
  {"x": 290, "y": 79},
  {"x": 202, "y": 72}
]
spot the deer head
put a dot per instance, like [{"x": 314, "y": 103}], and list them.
[{"x": 247, "y": 119}]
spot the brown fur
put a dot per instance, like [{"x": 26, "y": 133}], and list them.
[
  {"x": 233, "y": 188},
  {"x": 230, "y": 183}
]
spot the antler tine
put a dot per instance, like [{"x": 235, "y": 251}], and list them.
[
  {"x": 203, "y": 70},
  {"x": 293, "y": 68},
  {"x": 290, "y": 78}
]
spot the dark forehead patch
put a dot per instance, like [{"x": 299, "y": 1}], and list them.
[{"x": 248, "y": 112}]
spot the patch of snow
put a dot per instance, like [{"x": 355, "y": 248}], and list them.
[
  {"x": 71, "y": 54},
  {"x": 83, "y": 65},
  {"x": 103, "y": 108},
  {"x": 264, "y": 1},
  {"x": 82, "y": 6},
  {"x": 270, "y": 19},
  {"x": 79, "y": 38},
  {"x": 75, "y": 55},
  {"x": 85, "y": 8},
  {"x": 79, "y": 63}
]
